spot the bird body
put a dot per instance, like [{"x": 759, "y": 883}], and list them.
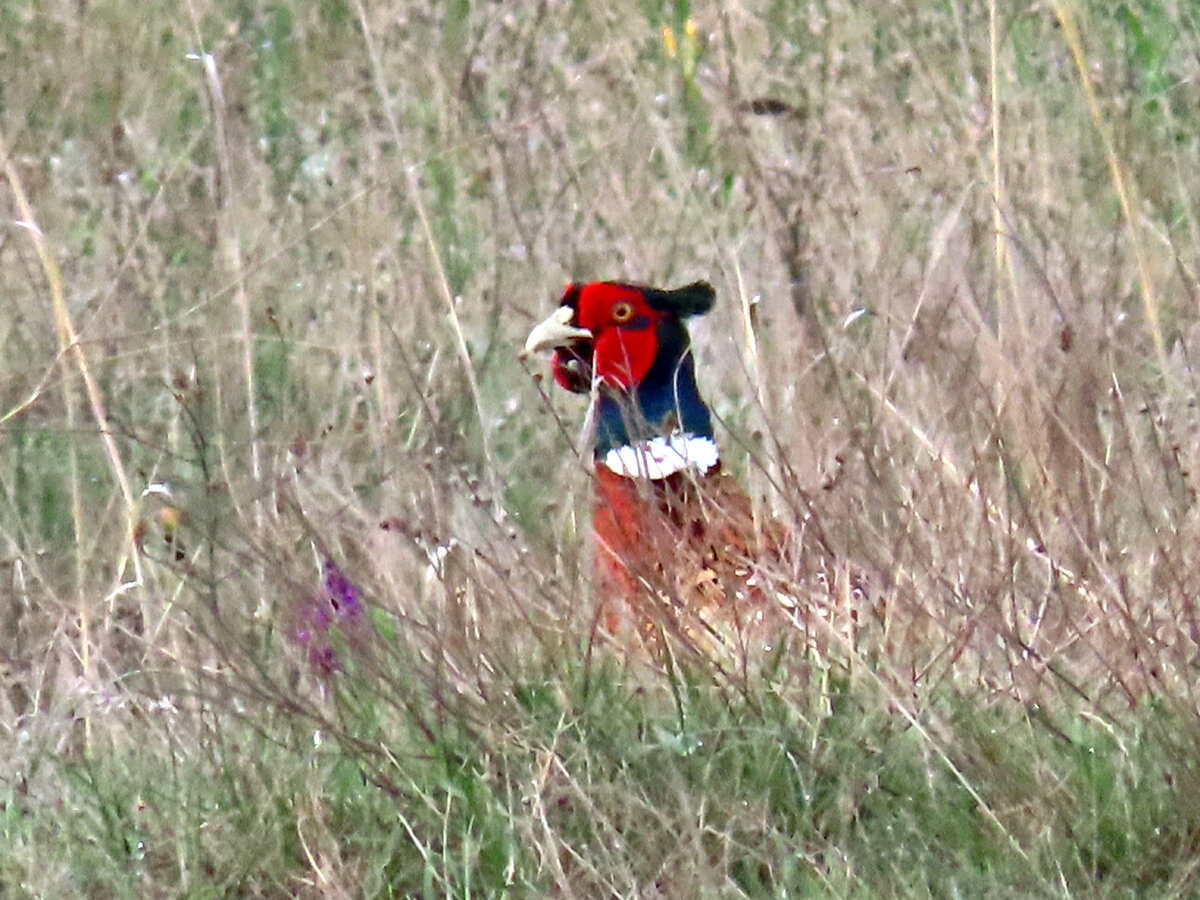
[{"x": 678, "y": 548}]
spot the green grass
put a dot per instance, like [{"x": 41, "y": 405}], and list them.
[
  {"x": 300, "y": 268},
  {"x": 612, "y": 790}
]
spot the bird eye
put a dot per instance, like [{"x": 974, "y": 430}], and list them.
[{"x": 621, "y": 312}]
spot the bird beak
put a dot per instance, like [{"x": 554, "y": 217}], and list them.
[{"x": 556, "y": 331}]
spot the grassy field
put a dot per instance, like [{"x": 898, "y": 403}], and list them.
[{"x": 294, "y": 547}]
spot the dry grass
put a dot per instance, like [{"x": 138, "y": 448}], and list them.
[{"x": 282, "y": 260}]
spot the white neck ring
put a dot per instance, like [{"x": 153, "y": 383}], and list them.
[{"x": 661, "y": 456}]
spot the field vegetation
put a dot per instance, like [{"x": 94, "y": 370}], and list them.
[{"x": 293, "y": 546}]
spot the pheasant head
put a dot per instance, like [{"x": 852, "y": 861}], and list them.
[{"x": 628, "y": 344}]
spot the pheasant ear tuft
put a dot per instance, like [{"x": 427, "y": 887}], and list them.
[{"x": 693, "y": 299}]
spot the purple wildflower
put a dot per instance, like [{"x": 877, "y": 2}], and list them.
[
  {"x": 344, "y": 596},
  {"x": 325, "y": 659},
  {"x": 336, "y": 607}
]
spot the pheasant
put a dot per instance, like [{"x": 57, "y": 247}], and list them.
[{"x": 678, "y": 550}]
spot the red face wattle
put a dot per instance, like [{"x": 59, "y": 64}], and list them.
[{"x": 623, "y": 328}]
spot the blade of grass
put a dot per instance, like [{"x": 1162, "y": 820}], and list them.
[
  {"x": 413, "y": 184},
  {"x": 1074, "y": 40},
  {"x": 227, "y": 239},
  {"x": 70, "y": 348}
]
